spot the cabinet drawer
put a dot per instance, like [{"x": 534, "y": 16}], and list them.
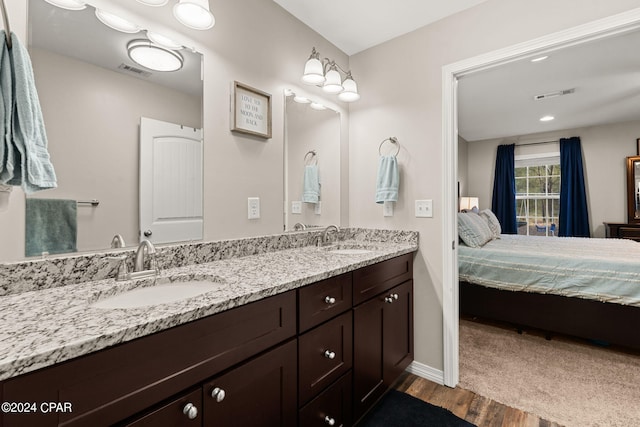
[
  {"x": 173, "y": 413},
  {"x": 630, "y": 233},
  {"x": 113, "y": 384},
  {"x": 331, "y": 407},
  {"x": 374, "y": 279},
  {"x": 323, "y": 300},
  {"x": 325, "y": 353}
]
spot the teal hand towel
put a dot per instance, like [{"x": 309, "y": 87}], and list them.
[
  {"x": 388, "y": 180},
  {"x": 27, "y": 131},
  {"x": 311, "y": 184},
  {"x": 51, "y": 226},
  {"x": 5, "y": 107}
]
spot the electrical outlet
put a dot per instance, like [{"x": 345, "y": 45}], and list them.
[
  {"x": 424, "y": 208},
  {"x": 318, "y": 208},
  {"x": 253, "y": 204},
  {"x": 387, "y": 209},
  {"x": 296, "y": 207}
]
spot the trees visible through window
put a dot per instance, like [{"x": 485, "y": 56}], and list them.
[{"x": 537, "y": 195}]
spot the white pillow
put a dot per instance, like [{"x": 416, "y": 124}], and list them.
[
  {"x": 492, "y": 222},
  {"x": 473, "y": 229}
]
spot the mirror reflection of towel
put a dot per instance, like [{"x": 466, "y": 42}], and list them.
[
  {"x": 51, "y": 226},
  {"x": 388, "y": 180},
  {"x": 311, "y": 185}
]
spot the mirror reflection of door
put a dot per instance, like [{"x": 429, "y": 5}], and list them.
[
  {"x": 636, "y": 174},
  {"x": 170, "y": 182}
]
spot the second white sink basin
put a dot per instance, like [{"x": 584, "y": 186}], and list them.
[{"x": 157, "y": 294}]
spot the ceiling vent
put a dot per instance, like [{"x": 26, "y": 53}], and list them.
[
  {"x": 134, "y": 70},
  {"x": 553, "y": 94}
]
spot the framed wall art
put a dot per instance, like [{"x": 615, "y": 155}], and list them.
[{"x": 250, "y": 111}]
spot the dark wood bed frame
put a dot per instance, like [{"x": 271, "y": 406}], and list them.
[{"x": 592, "y": 320}]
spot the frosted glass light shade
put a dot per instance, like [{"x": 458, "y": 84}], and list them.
[
  {"x": 154, "y": 57},
  {"x": 333, "y": 82},
  {"x": 117, "y": 23},
  {"x": 350, "y": 92},
  {"x": 68, "y": 4},
  {"x": 313, "y": 72},
  {"x": 155, "y": 3},
  {"x": 317, "y": 106},
  {"x": 194, "y": 14},
  {"x": 163, "y": 41}
]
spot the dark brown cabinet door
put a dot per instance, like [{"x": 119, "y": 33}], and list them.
[
  {"x": 332, "y": 407},
  {"x": 382, "y": 344},
  {"x": 261, "y": 392}
]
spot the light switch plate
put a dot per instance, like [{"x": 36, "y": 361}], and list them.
[
  {"x": 387, "y": 209},
  {"x": 296, "y": 207},
  {"x": 253, "y": 204},
  {"x": 424, "y": 208}
]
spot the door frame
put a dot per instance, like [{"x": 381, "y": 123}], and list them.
[{"x": 605, "y": 27}]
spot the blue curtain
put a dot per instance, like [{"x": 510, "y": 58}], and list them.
[
  {"x": 503, "y": 203},
  {"x": 574, "y": 216}
]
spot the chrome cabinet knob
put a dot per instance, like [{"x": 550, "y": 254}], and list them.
[
  {"x": 329, "y": 420},
  {"x": 330, "y": 354},
  {"x": 147, "y": 233},
  {"x": 190, "y": 411},
  {"x": 218, "y": 394},
  {"x": 329, "y": 300},
  {"x": 391, "y": 298}
]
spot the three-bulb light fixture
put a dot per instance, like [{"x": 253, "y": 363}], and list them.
[
  {"x": 326, "y": 73},
  {"x": 156, "y": 52}
]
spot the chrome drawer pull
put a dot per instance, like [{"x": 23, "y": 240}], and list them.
[
  {"x": 329, "y": 300},
  {"x": 329, "y": 420},
  {"x": 330, "y": 354},
  {"x": 218, "y": 394},
  {"x": 391, "y": 298},
  {"x": 190, "y": 411}
]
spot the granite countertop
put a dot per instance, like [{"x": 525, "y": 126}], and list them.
[{"x": 48, "y": 326}]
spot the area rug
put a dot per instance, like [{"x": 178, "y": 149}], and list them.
[
  {"x": 402, "y": 410},
  {"x": 569, "y": 382}
]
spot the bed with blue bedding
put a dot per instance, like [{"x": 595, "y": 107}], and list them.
[{"x": 589, "y": 288}]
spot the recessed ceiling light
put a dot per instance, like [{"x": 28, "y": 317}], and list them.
[
  {"x": 154, "y": 57},
  {"x": 68, "y": 4},
  {"x": 546, "y": 118},
  {"x": 540, "y": 58},
  {"x": 117, "y": 23}
]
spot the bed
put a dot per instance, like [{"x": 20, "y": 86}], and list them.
[{"x": 588, "y": 288}]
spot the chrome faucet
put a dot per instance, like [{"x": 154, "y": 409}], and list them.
[
  {"x": 117, "y": 241},
  {"x": 145, "y": 247},
  {"x": 325, "y": 234}
]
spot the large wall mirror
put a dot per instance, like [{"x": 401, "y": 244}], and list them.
[
  {"x": 633, "y": 188},
  {"x": 312, "y": 152},
  {"x": 93, "y": 97}
]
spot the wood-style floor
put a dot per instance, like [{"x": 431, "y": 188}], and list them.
[{"x": 468, "y": 405}]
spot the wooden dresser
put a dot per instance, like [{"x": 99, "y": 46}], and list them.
[{"x": 622, "y": 231}]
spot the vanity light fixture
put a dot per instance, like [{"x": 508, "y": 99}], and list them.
[
  {"x": 155, "y": 3},
  {"x": 154, "y": 57},
  {"x": 301, "y": 99},
  {"x": 326, "y": 72},
  {"x": 546, "y": 118},
  {"x": 163, "y": 41},
  {"x": 317, "y": 106},
  {"x": 115, "y": 22},
  {"x": 194, "y": 14},
  {"x": 68, "y": 4}
]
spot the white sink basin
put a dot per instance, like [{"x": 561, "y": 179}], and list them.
[{"x": 158, "y": 294}]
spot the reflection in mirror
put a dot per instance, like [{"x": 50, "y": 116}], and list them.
[
  {"x": 633, "y": 188},
  {"x": 312, "y": 151},
  {"x": 93, "y": 97}
]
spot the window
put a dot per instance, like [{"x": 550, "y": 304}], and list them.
[{"x": 537, "y": 194}]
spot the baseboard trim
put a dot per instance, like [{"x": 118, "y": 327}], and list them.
[{"x": 426, "y": 372}]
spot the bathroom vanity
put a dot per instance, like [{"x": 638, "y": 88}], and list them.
[{"x": 317, "y": 347}]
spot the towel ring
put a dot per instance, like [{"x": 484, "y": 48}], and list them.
[
  {"x": 393, "y": 140},
  {"x": 309, "y": 159}
]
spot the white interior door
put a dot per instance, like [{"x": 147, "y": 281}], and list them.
[{"x": 170, "y": 182}]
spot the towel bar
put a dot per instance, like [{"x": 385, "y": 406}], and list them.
[
  {"x": 391, "y": 139},
  {"x": 93, "y": 202},
  {"x": 7, "y": 27}
]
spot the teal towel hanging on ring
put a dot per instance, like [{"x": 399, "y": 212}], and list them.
[{"x": 388, "y": 180}]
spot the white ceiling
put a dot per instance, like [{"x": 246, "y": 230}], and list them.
[
  {"x": 498, "y": 102},
  {"x": 356, "y": 25}
]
